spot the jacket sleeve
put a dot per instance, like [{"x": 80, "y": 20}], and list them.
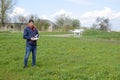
[
  {"x": 37, "y": 33},
  {"x": 25, "y": 34}
]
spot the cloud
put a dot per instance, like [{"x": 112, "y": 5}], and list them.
[
  {"x": 62, "y": 12},
  {"x": 59, "y": 13},
  {"x": 106, "y": 12},
  {"x": 89, "y": 17},
  {"x": 19, "y": 11}
]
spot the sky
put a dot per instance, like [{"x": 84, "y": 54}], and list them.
[{"x": 85, "y": 10}]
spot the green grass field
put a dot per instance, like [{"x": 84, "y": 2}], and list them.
[{"x": 94, "y": 56}]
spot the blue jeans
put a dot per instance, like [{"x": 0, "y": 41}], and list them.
[{"x": 30, "y": 48}]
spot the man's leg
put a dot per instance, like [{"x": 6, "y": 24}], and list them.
[
  {"x": 34, "y": 55},
  {"x": 28, "y": 49}
]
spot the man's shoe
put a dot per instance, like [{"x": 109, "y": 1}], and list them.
[
  {"x": 33, "y": 65},
  {"x": 24, "y": 66}
]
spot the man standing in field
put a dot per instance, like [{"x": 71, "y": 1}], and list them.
[{"x": 31, "y": 36}]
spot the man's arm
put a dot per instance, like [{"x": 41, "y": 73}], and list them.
[
  {"x": 37, "y": 33},
  {"x": 26, "y": 35}
]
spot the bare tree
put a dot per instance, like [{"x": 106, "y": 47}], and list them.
[
  {"x": 60, "y": 22},
  {"x": 34, "y": 17},
  {"x": 67, "y": 23},
  {"x": 103, "y": 24},
  {"x": 22, "y": 19},
  {"x": 5, "y": 7},
  {"x": 76, "y": 23}
]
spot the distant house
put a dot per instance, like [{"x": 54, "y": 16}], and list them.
[
  {"x": 47, "y": 25},
  {"x": 14, "y": 26},
  {"x": 43, "y": 25}
]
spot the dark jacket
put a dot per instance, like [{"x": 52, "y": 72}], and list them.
[{"x": 28, "y": 34}]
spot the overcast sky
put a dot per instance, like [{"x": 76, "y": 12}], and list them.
[{"x": 85, "y": 10}]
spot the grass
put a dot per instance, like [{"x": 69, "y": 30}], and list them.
[
  {"x": 102, "y": 34},
  {"x": 95, "y": 56}
]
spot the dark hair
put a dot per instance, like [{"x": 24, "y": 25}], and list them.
[{"x": 31, "y": 20}]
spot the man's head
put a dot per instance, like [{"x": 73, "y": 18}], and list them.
[{"x": 31, "y": 23}]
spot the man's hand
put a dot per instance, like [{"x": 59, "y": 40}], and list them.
[{"x": 32, "y": 39}]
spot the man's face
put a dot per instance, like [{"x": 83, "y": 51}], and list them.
[{"x": 31, "y": 24}]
